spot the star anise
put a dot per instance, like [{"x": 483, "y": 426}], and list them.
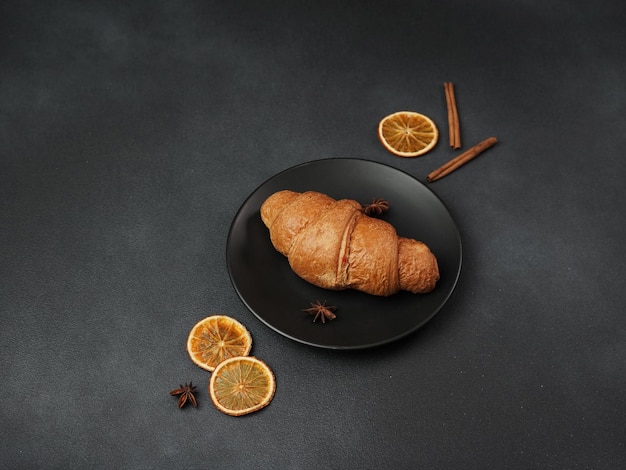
[
  {"x": 376, "y": 208},
  {"x": 186, "y": 392},
  {"x": 321, "y": 311}
]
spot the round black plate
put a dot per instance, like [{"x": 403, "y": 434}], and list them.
[{"x": 269, "y": 288}]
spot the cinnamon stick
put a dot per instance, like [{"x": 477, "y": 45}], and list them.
[
  {"x": 461, "y": 160},
  {"x": 454, "y": 128},
  {"x": 457, "y": 126},
  {"x": 446, "y": 88}
]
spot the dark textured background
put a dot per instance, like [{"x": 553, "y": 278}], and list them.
[{"x": 131, "y": 133}]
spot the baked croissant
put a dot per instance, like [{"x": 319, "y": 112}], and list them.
[{"x": 334, "y": 245}]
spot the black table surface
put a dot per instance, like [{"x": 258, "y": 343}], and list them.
[{"x": 132, "y": 132}]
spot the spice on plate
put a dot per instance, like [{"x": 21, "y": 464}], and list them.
[
  {"x": 376, "y": 208},
  {"x": 321, "y": 311}
]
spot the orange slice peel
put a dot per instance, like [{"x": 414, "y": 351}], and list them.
[
  {"x": 217, "y": 338},
  {"x": 241, "y": 385},
  {"x": 407, "y": 133}
]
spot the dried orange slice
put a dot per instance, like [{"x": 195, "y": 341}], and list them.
[
  {"x": 217, "y": 338},
  {"x": 241, "y": 385},
  {"x": 408, "y": 134}
]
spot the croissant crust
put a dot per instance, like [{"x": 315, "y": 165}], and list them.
[{"x": 334, "y": 245}]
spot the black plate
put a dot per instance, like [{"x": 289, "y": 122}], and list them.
[{"x": 277, "y": 296}]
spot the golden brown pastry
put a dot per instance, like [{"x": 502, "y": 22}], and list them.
[{"x": 334, "y": 245}]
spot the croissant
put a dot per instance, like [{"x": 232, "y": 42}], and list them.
[{"x": 334, "y": 245}]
